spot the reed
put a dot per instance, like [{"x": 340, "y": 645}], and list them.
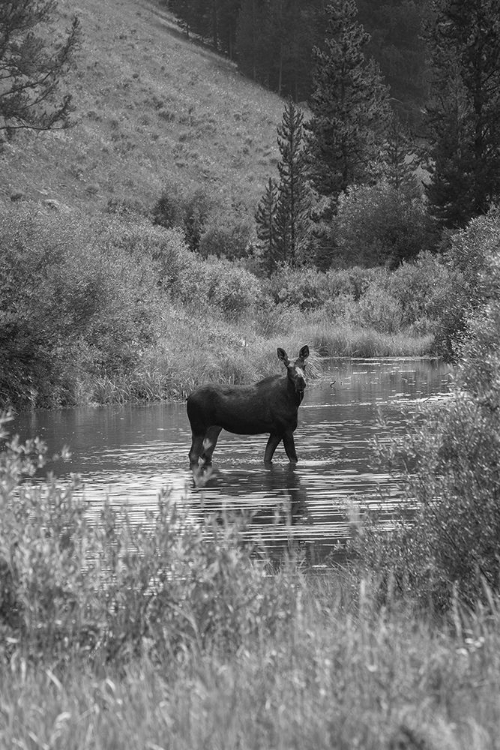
[{"x": 339, "y": 339}]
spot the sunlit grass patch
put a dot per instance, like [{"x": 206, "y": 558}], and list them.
[{"x": 339, "y": 339}]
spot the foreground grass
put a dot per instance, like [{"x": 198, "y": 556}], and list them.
[
  {"x": 341, "y": 674},
  {"x": 172, "y": 634}
]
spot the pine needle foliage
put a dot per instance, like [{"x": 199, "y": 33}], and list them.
[
  {"x": 463, "y": 118},
  {"x": 283, "y": 216},
  {"x": 349, "y": 105},
  {"x": 33, "y": 58}
]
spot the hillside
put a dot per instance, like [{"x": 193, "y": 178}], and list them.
[{"x": 152, "y": 108}]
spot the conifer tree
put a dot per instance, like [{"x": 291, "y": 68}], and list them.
[
  {"x": 265, "y": 219},
  {"x": 463, "y": 118},
  {"x": 283, "y": 216},
  {"x": 349, "y": 105},
  {"x": 399, "y": 159},
  {"x": 33, "y": 58},
  {"x": 295, "y": 197}
]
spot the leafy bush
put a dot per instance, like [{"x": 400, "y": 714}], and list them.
[
  {"x": 214, "y": 283},
  {"x": 113, "y": 589},
  {"x": 420, "y": 288},
  {"x": 450, "y": 465},
  {"x": 227, "y": 239},
  {"x": 379, "y": 224},
  {"x": 378, "y": 310},
  {"x": 76, "y": 300},
  {"x": 189, "y": 212},
  {"x": 310, "y": 289},
  {"x": 466, "y": 257},
  {"x": 304, "y": 288}
]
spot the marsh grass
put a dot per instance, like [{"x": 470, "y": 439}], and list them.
[
  {"x": 174, "y": 635},
  {"x": 339, "y": 339}
]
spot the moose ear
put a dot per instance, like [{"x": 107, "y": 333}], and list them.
[
  {"x": 283, "y": 356},
  {"x": 304, "y": 352}
]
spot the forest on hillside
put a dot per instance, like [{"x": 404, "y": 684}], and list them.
[{"x": 272, "y": 42}]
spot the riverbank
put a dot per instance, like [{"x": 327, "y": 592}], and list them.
[{"x": 116, "y": 310}]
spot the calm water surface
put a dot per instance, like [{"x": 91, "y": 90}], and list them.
[{"x": 130, "y": 453}]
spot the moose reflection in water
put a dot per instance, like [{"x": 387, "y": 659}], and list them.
[
  {"x": 271, "y": 405},
  {"x": 274, "y": 502}
]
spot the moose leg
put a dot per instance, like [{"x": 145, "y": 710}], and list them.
[
  {"x": 272, "y": 444},
  {"x": 289, "y": 444},
  {"x": 196, "y": 449},
  {"x": 209, "y": 443}
]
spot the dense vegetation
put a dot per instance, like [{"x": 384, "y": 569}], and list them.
[
  {"x": 449, "y": 459},
  {"x": 272, "y": 42},
  {"x": 118, "y": 309},
  {"x": 162, "y": 633}
]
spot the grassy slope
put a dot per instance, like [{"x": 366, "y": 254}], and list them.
[{"x": 152, "y": 107}]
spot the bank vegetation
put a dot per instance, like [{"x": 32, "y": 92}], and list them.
[{"x": 114, "y": 308}]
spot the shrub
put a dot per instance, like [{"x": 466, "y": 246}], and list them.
[
  {"x": 304, "y": 288},
  {"x": 225, "y": 240},
  {"x": 466, "y": 257},
  {"x": 76, "y": 301},
  {"x": 420, "y": 288},
  {"x": 379, "y": 224},
  {"x": 216, "y": 283},
  {"x": 378, "y": 310},
  {"x": 189, "y": 212},
  {"x": 449, "y": 462}
]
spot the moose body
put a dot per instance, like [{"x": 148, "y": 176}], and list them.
[{"x": 269, "y": 406}]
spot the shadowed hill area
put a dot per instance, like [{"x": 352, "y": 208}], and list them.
[{"x": 152, "y": 108}]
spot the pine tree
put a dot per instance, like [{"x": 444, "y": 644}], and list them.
[
  {"x": 463, "y": 118},
  {"x": 295, "y": 198},
  {"x": 255, "y": 40},
  {"x": 33, "y": 58},
  {"x": 265, "y": 219},
  {"x": 283, "y": 217},
  {"x": 399, "y": 159},
  {"x": 349, "y": 105}
]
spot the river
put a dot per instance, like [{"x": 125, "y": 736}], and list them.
[{"x": 130, "y": 453}]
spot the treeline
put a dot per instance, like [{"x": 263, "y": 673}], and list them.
[
  {"x": 272, "y": 41},
  {"x": 354, "y": 185}
]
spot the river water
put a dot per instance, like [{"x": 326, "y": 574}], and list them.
[{"x": 130, "y": 453}]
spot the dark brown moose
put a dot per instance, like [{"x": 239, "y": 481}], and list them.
[{"x": 271, "y": 405}]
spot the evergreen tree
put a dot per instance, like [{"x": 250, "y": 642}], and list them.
[
  {"x": 349, "y": 105},
  {"x": 33, "y": 57},
  {"x": 295, "y": 197},
  {"x": 265, "y": 219},
  {"x": 283, "y": 216},
  {"x": 399, "y": 158},
  {"x": 255, "y": 40},
  {"x": 463, "y": 117}
]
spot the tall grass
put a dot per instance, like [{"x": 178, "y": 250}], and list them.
[{"x": 339, "y": 339}]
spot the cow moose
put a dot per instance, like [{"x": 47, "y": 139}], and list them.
[{"x": 269, "y": 406}]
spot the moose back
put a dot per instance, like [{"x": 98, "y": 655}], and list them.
[{"x": 269, "y": 406}]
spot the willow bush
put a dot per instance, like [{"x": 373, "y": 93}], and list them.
[{"x": 450, "y": 468}]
